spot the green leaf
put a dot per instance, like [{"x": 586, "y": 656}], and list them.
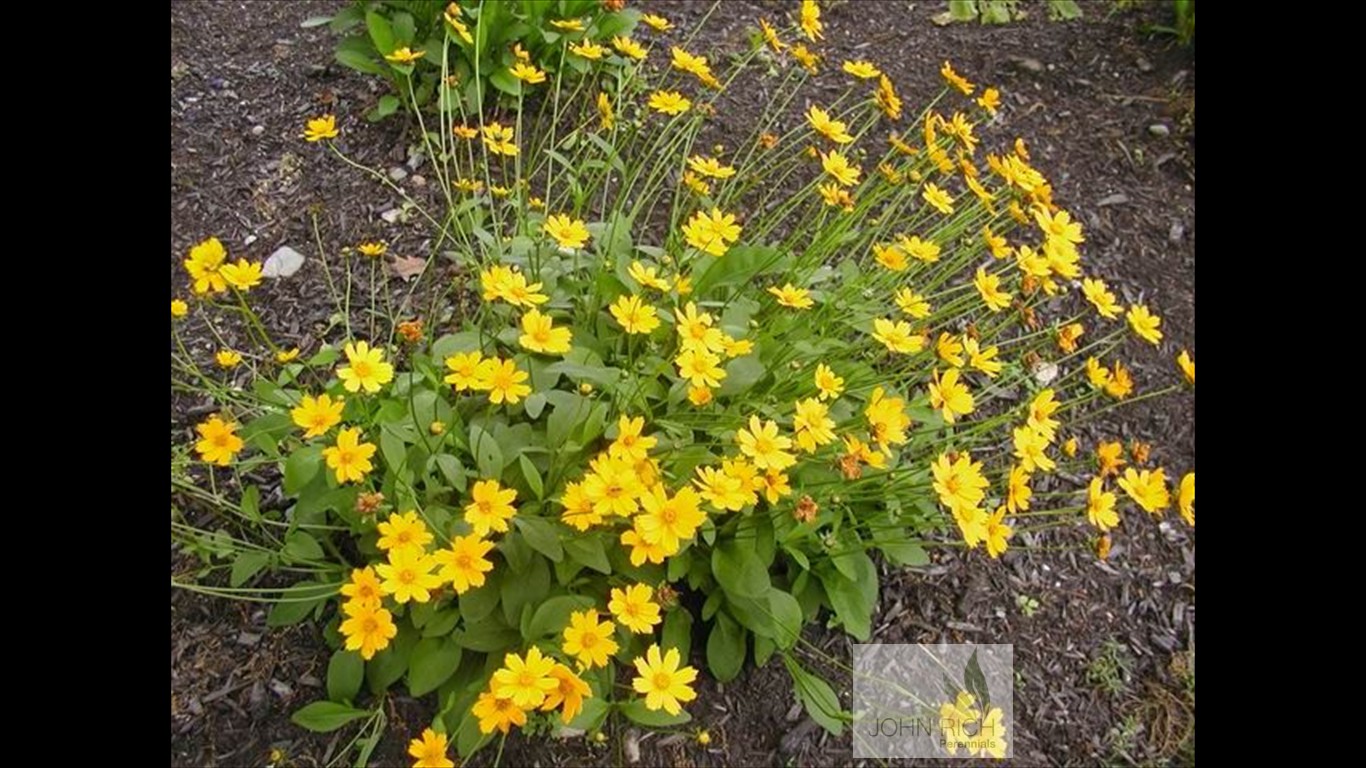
[
  {"x": 852, "y": 599},
  {"x": 740, "y": 266},
  {"x": 677, "y": 632},
  {"x": 301, "y": 603},
  {"x": 345, "y": 671},
  {"x": 476, "y": 604},
  {"x": 403, "y": 28},
  {"x": 533, "y": 481},
  {"x": 764, "y": 649},
  {"x": 301, "y": 546},
  {"x": 534, "y": 405},
  {"x": 326, "y": 716},
  {"x": 394, "y": 450},
  {"x": 529, "y": 587},
  {"x": 725, "y": 648},
  {"x": 359, "y": 62},
  {"x": 589, "y": 719},
  {"x": 504, "y": 81},
  {"x": 251, "y": 503},
  {"x": 441, "y": 623},
  {"x": 381, "y": 34},
  {"x": 248, "y": 563},
  {"x": 552, "y": 616},
  {"x": 636, "y": 711},
  {"x": 388, "y": 105},
  {"x": 588, "y": 550},
  {"x": 817, "y": 697},
  {"x": 787, "y": 618},
  {"x": 469, "y": 739},
  {"x": 962, "y": 10},
  {"x": 542, "y": 535},
  {"x": 975, "y": 682},
  {"x": 738, "y": 570},
  {"x": 488, "y": 637},
  {"x": 488, "y": 457},
  {"x": 742, "y": 374},
  {"x": 315, "y": 21},
  {"x": 301, "y": 467},
  {"x": 433, "y": 660},
  {"x": 451, "y": 470},
  {"x": 1063, "y": 10},
  {"x": 905, "y": 552},
  {"x": 388, "y": 665}
]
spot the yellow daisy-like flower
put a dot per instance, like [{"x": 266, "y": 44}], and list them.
[
  {"x": 642, "y": 551},
  {"x": 589, "y": 642},
  {"x": 452, "y": 16},
  {"x": 527, "y": 73},
  {"x": 366, "y": 368},
  {"x": 404, "y": 55},
  {"x": 1120, "y": 385},
  {"x": 938, "y": 198},
  {"x": 179, "y": 308},
  {"x": 287, "y": 355},
  {"x": 368, "y": 628},
  {"x": 656, "y": 22},
  {"x": 430, "y": 751},
  {"x": 317, "y": 415},
  {"x": 1185, "y": 499},
  {"x": 203, "y": 264},
  {"x": 408, "y": 577},
  {"x": 990, "y": 101},
  {"x": 989, "y": 286},
  {"x": 1110, "y": 457},
  {"x": 500, "y": 139},
  {"x": 836, "y": 196},
  {"x": 525, "y": 681},
  {"x": 723, "y": 491},
  {"x": 791, "y": 296},
  {"x": 912, "y": 303},
  {"x": 699, "y": 396},
  {"x": 811, "y": 25},
  {"x": 227, "y": 358},
  {"x": 403, "y": 530},
  {"x": 1018, "y": 491},
  {"x": 887, "y": 419},
  {"x": 1100, "y": 505},
  {"x": 568, "y": 694},
  {"x": 828, "y": 384},
  {"x": 812, "y": 425},
  {"x": 667, "y": 521},
  {"x": 1031, "y": 449},
  {"x": 694, "y": 65},
  {"x": 1068, "y": 335},
  {"x": 839, "y": 168},
  {"x": 1144, "y": 323},
  {"x": 949, "y": 396},
  {"x": 922, "y": 250},
  {"x": 997, "y": 533},
  {"x": 349, "y": 458},
  {"x": 588, "y": 50},
  {"x": 218, "y": 441},
  {"x": 700, "y": 367},
  {"x": 502, "y": 379},
  {"x": 771, "y": 36},
  {"x": 363, "y": 588},
  {"x": 1187, "y": 363},
  {"x": 1147, "y": 489},
  {"x": 490, "y": 507},
  {"x": 886, "y": 98},
  {"x": 669, "y": 102},
  {"x": 956, "y": 80},
  {"x": 568, "y": 25},
  {"x": 497, "y": 714},
  {"x": 711, "y": 167},
  {"x": 1041, "y": 410},
  {"x": 806, "y": 57},
  {"x": 696, "y": 184},
  {"x": 1100, "y": 297},
  {"x": 319, "y": 128},
  {"x": 891, "y": 257},
  {"x": 662, "y": 680},
  {"x": 950, "y": 349},
  {"x": 711, "y": 233},
  {"x": 864, "y": 70},
  {"x": 982, "y": 359},
  {"x": 539, "y": 334},
  {"x": 647, "y": 277},
  {"x": 464, "y": 370},
  {"x": 762, "y": 443},
  {"x": 243, "y": 275},
  {"x": 579, "y": 510},
  {"x": 628, "y": 47},
  {"x": 897, "y": 336},
  {"x": 634, "y": 315},
  {"x": 834, "y": 130},
  {"x": 634, "y": 608},
  {"x": 999, "y": 246}
]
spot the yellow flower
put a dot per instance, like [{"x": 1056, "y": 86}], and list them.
[
  {"x": 694, "y": 65},
  {"x": 1068, "y": 335},
  {"x": 886, "y": 98},
  {"x": 1100, "y": 505},
  {"x": 579, "y": 511},
  {"x": 1187, "y": 363},
  {"x": 662, "y": 681},
  {"x": 897, "y": 336},
  {"x": 218, "y": 441},
  {"x": 891, "y": 257},
  {"x": 634, "y": 315},
  {"x": 998, "y": 246},
  {"x": 958, "y": 480},
  {"x": 807, "y": 58},
  {"x": 1041, "y": 410},
  {"x": 527, "y": 73},
  {"x": 569, "y": 233},
  {"x": 468, "y": 185},
  {"x": 834, "y": 130},
  {"x": 667, "y": 521},
  {"x": 525, "y": 681},
  {"x": 502, "y": 379},
  {"x": 363, "y": 588},
  {"x": 500, "y": 139},
  {"x": 589, "y": 642},
  {"x": 950, "y": 396},
  {"x": 811, "y": 25},
  {"x": 700, "y": 367},
  {"x": 1096, "y": 373},
  {"x": 366, "y": 368},
  {"x": 837, "y": 165},
  {"x": 587, "y": 49},
  {"x": 1185, "y": 499},
  {"x": 724, "y": 491},
  {"x": 710, "y": 166},
  {"x": 938, "y": 198},
  {"x": 790, "y": 296},
  {"x": 368, "y": 628},
  {"x": 1069, "y": 447},
  {"x": 605, "y": 113},
  {"x": 864, "y": 70},
  {"x": 1018, "y": 491},
  {"x": 287, "y": 355},
  {"x": 699, "y": 396},
  {"x": 669, "y": 102},
  {"x": 404, "y": 55},
  {"x": 711, "y": 233},
  {"x": 496, "y": 713},
  {"x": 912, "y": 303},
  {"x": 657, "y": 23},
  {"x": 628, "y": 47},
  {"x": 490, "y": 506},
  {"x": 1100, "y": 297},
  {"x": 227, "y": 358},
  {"x": 1148, "y": 489},
  {"x": 922, "y": 250},
  {"x": 647, "y": 277},
  {"x": 949, "y": 349},
  {"x": 613, "y": 486},
  {"x": 1120, "y": 385},
  {"x": 956, "y": 80},
  {"x": 1031, "y": 263},
  {"x": 634, "y": 608},
  {"x": 316, "y": 416},
  {"x": 997, "y": 533},
  {"x": 836, "y": 196},
  {"x": 696, "y": 184},
  {"x": 990, "y": 100},
  {"x": 407, "y": 576},
  {"x": 989, "y": 286},
  {"x": 1063, "y": 257},
  {"x": 1142, "y": 321},
  {"x": 179, "y": 308},
  {"x": 983, "y": 360},
  {"x": 641, "y": 550},
  {"x": 540, "y": 335},
  {"x": 1110, "y": 457},
  {"x": 683, "y": 285},
  {"x": 430, "y": 750},
  {"x": 203, "y": 264},
  {"x": 1059, "y": 225},
  {"x": 812, "y": 425},
  {"x": 901, "y": 146},
  {"x": 567, "y": 25},
  {"x": 771, "y": 36},
  {"x": 1031, "y": 449},
  {"x": 827, "y": 383},
  {"x": 464, "y": 369},
  {"x": 452, "y": 16},
  {"x": 349, "y": 458},
  {"x": 887, "y": 419},
  {"x": 243, "y": 275},
  {"x": 320, "y": 128},
  {"x": 463, "y": 563},
  {"x": 762, "y": 443},
  {"x": 569, "y": 693},
  {"x": 630, "y": 445}
]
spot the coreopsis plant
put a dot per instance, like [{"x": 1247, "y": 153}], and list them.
[{"x": 705, "y": 392}]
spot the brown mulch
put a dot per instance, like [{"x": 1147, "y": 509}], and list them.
[{"x": 1109, "y": 116}]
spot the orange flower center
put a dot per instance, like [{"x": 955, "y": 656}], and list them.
[
  {"x": 663, "y": 680},
  {"x": 589, "y": 640},
  {"x": 407, "y": 576},
  {"x": 362, "y": 369}
]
